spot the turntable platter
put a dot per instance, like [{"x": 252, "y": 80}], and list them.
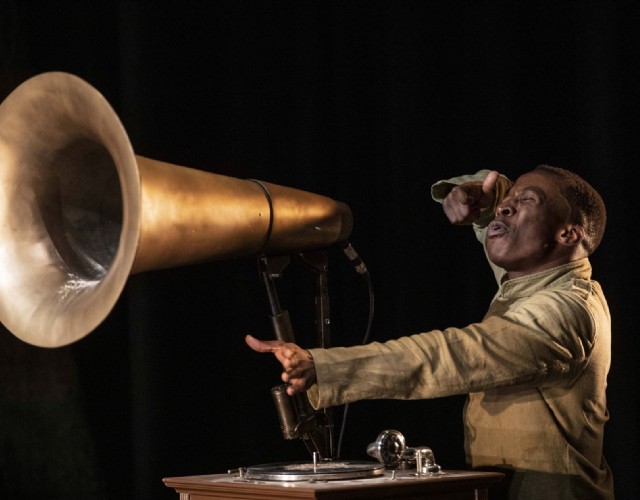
[{"x": 324, "y": 471}]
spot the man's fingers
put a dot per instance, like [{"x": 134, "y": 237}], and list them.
[
  {"x": 292, "y": 390},
  {"x": 295, "y": 384},
  {"x": 263, "y": 345},
  {"x": 297, "y": 363},
  {"x": 489, "y": 183},
  {"x": 460, "y": 195}
]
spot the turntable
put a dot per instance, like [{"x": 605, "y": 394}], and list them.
[
  {"x": 400, "y": 472},
  {"x": 389, "y": 449},
  {"x": 311, "y": 471}
]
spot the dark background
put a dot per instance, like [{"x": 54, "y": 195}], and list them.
[{"x": 365, "y": 102}]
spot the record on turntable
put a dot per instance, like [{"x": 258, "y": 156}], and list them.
[{"x": 309, "y": 471}]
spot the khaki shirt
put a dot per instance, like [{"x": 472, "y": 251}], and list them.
[{"x": 535, "y": 370}]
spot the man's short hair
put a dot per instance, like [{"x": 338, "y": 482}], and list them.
[{"x": 587, "y": 206}]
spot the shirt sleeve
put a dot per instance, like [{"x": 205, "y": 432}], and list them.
[
  {"x": 525, "y": 346},
  {"x": 441, "y": 189}
]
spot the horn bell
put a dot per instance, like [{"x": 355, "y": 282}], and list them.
[{"x": 80, "y": 212}]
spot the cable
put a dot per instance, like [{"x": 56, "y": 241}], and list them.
[{"x": 362, "y": 270}]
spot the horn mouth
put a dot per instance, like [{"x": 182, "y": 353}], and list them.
[{"x": 69, "y": 222}]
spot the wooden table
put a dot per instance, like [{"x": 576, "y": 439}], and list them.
[{"x": 452, "y": 485}]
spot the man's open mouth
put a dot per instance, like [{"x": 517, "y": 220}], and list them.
[{"x": 497, "y": 228}]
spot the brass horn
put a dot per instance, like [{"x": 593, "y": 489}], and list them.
[{"x": 80, "y": 212}]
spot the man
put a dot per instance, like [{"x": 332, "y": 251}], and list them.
[{"x": 534, "y": 368}]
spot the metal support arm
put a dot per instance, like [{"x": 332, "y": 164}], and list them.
[{"x": 297, "y": 418}]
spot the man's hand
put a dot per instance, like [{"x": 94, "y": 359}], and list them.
[
  {"x": 297, "y": 363},
  {"x": 465, "y": 202}
]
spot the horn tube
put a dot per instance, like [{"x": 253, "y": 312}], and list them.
[{"x": 80, "y": 212}]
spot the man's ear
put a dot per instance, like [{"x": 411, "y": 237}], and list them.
[{"x": 570, "y": 235}]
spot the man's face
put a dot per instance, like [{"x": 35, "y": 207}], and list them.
[{"x": 522, "y": 239}]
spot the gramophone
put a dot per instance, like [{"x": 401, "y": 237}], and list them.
[{"x": 81, "y": 213}]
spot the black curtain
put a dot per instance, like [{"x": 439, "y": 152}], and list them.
[{"x": 365, "y": 102}]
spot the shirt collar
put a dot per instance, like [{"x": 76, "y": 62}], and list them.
[{"x": 531, "y": 283}]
